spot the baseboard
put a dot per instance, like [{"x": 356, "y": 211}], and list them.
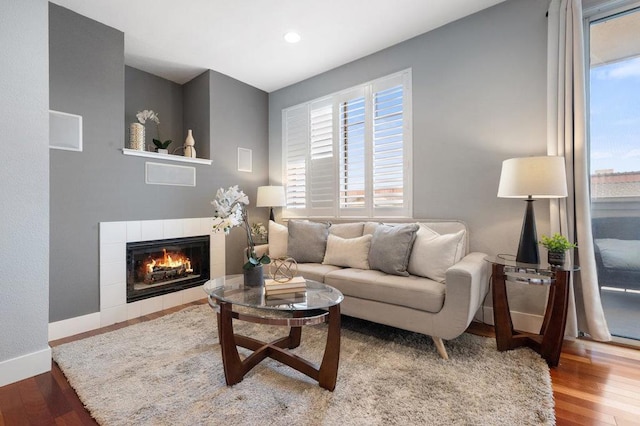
[
  {"x": 72, "y": 326},
  {"x": 521, "y": 321},
  {"x": 25, "y": 366}
]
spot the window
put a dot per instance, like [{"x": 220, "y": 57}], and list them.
[
  {"x": 348, "y": 154},
  {"x": 614, "y": 129}
]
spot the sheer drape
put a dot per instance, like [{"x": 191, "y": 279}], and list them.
[{"x": 566, "y": 136}]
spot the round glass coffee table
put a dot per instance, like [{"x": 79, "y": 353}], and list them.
[{"x": 319, "y": 303}]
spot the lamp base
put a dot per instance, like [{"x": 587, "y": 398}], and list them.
[
  {"x": 528, "y": 247},
  {"x": 271, "y": 217}
]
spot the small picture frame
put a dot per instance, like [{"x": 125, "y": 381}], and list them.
[
  {"x": 244, "y": 160},
  {"x": 65, "y": 131}
]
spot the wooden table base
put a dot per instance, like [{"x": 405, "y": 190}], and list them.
[
  {"x": 548, "y": 342},
  {"x": 235, "y": 369}
]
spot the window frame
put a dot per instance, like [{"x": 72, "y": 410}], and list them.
[{"x": 369, "y": 89}]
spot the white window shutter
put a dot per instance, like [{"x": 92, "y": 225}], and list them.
[
  {"x": 349, "y": 154},
  {"x": 296, "y": 146},
  {"x": 321, "y": 174}
]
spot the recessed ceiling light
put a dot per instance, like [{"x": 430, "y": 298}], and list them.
[{"x": 292, "y": 37}]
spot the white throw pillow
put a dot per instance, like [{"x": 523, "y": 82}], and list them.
[
  {"x": 433, "y": 253},
  {"x": 348, "y": 252},
  {"x": 278, "y": 240}
]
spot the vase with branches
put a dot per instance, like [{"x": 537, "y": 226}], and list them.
[{"x": 230, "y": 211}]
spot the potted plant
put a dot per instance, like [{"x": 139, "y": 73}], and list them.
[
  {"x": 557, "y": 246},
  {"x": 161, "y": 147},
  {"x": 231, "y": 211},
  {"x": 148, "y": 114}
]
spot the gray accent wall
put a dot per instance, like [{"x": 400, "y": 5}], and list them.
[
  {"x": 100, "y": 184},
  {"x": 479, "y": 97},
  {"x": 24, "y": 173}
]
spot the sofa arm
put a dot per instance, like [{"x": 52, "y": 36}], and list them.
[{"x": 467, "y": 283}]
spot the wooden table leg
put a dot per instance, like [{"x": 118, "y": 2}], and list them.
[
  {"x": 329, "y": 368},
  {"x": 555, "y": 319},
  {"x": 233, "y": 368},
  {"x": 295, "y": 333},
  {"x": 501, "y": 314}
]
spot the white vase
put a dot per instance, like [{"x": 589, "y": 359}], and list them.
[
  {"x": 189, "y": 142},
  {"x": 162, "y": 151},
  {"x": 136, "y": 136}
]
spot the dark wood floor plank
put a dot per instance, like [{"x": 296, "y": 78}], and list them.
[
  {"x": 11, "y": 406},
  {"x": 34, "y": 403},
  {"x": 53, "y": 395}
]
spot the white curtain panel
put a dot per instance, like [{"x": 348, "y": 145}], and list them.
[{"x": 566, "y": 136}]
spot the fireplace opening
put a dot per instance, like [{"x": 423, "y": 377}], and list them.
[{"x": 164, "y": 266}]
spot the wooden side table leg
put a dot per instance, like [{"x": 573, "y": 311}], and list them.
[
  {"x": 233, "y": 368},
  {"x": 501, "y": 314},
  {"x": 328, "y": 372},
  {"x": 555, "y": 319}
]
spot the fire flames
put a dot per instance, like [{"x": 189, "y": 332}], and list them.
[{"x": 178, "y": 261}]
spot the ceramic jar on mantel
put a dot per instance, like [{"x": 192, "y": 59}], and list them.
[{"x": 136, "y": 136}]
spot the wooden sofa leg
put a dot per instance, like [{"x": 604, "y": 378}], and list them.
[{"x": 440, "y": 347}]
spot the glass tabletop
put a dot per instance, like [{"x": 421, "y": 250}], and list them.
[
  {"x": 231, "y": 289},
  {"x": 510, "y": 261}
]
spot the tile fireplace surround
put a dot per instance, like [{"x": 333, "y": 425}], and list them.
[{"x": 114, "y": 237}]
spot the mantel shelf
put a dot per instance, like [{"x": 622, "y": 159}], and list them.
[{"x": 170, "y": 157}]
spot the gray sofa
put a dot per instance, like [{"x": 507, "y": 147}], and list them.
[{"x": 442, "y": 306}]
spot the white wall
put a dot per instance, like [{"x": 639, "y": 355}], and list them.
[
  {"x": 479, "y": 97},
  {"x": 24, "y": 193}
]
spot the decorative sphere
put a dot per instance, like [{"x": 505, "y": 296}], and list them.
[{"x": 283, "y": 269}]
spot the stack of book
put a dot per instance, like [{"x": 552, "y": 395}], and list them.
[{"x": 293, "y": 286}]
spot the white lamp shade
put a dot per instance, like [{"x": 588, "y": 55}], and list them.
[
  {"x": 270, "y": 196},
  {"x": 538, "y": 177}
]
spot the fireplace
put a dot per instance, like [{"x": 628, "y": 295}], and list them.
[{"x": 164, "y": 266}]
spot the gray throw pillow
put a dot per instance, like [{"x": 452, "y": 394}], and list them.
[
  {"x": 307, "y": 241},
  {"x": 391, "y": 247}
]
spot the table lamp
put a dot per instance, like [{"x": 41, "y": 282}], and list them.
[
  {"x": 270, "y": 196},
  {"x": 529, "y": 178}
]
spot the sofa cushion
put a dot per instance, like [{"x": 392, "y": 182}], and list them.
[
  {"x": 433, "y": 253},
  {"x": 316, "y": 271},
  {"x": 370, "y": 228},
  {"x": 619, "y": 254},
  {"x": 391, "y": 248},
  {"x": 413, "y": 292},
  {"x": 307, "y": 241},
  {"x": 278, "y": 238},
  {"x": 349, "y": 252},
  {"x": 347, "y": 230}
]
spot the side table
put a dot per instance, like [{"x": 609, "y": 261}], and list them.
[{"x": 548, "y": 342}]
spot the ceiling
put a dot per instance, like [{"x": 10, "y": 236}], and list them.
[{"x": 178, "y": 40}]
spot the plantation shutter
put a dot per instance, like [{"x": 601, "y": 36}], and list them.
[
  {"x": 296, "y": 137},
  {"x": 322, "y": 175},
  {"x": 349, "y": 154},
  {"x": 353, "y": 135},
  {"x": 388, "y": 147}
]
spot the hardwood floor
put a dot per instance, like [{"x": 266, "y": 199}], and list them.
[{"x": 595, "y": 384}]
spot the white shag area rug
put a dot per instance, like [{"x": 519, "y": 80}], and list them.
[{"x": 168, "y": 371}]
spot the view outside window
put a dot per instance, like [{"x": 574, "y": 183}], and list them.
[{"x": 615, "y": 167}]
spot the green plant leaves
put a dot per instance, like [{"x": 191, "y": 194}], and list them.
[{"x": 162, "y": 145}]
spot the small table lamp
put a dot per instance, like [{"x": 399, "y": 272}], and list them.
[
  {"x": 529, "y": 178},
  {"x": 271, "y": 196}
]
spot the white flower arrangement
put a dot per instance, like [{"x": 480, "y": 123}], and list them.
[
  {"x": 230, "y": 211},
  {"x": 259, "y": 231},
  {"x": 147, "y": 114}
]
